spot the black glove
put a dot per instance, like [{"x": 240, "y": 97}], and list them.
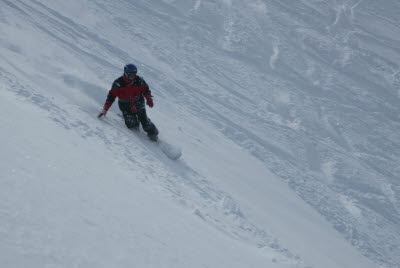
[{"x": 102, "y": 113}]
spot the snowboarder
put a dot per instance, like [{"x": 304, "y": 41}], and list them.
[{"x": 132, "y": 91}]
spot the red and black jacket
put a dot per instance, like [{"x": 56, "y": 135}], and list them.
[{"x": 128, "y": 91}]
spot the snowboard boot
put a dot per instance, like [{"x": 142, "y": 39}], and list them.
[
  {"x": 152, "y": 131},
  {"x": 153, "y": 137}
]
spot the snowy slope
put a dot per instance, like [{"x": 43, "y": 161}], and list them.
[{"x": 287, "y": 113}]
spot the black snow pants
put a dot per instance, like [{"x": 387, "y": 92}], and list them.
[{"x": 132, "y": 120}]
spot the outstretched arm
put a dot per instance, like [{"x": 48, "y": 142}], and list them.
[{"x": 112, "y": 94}]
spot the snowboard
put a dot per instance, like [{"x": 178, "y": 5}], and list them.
[{"x": 171, "y": 151}]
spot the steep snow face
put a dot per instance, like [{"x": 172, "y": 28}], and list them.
[{"x": 287, "y": 113}]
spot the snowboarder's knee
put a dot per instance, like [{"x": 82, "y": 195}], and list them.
[
  {"x": 131, "y": 122},
  {"x": 132, "y": 125}
]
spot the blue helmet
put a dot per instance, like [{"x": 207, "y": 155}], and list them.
[{"x": 129, "y": 68}]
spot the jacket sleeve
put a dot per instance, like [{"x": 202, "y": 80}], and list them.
[
  {"x": 146, "y": 90},
  {"x": 112, "y": 94}
]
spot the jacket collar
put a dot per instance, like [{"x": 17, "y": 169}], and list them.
[{"x": 127, "y": 80}]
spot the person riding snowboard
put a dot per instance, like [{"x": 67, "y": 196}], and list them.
[{"x": 132, "y": 91}]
